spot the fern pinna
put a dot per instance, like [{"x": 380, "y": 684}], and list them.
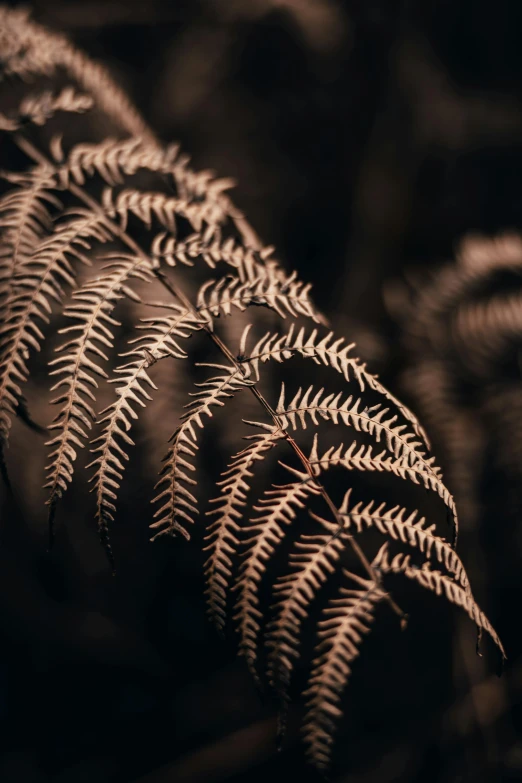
[{"x": 144, "y": 224}]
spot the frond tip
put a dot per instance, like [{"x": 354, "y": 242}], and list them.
[{"x": 441, "y": 585}]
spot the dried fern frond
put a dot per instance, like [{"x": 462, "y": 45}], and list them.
[
  {"x": 312, "y": 561},
  {"x": 484, "y": 331},
  {"x": 162, "y": 218},
  {"x": 286, "y": 296},
  {"x": 212, "y": 248},
  {"x": 179, "y": 503},
  {"x": 277, "y": 508},
  {"x": 331, "y": 352},
  {"x": 24, "y": 219},
  {"x": 401, "y": 525},
  {"x": 41, "y": 107},
  {"x": 221, "y": 540},
  {"x": 341, "y": 631},
  {"x": 159, "y": 342},
  {"x": 441, "y": 585},
  {"x": 146, "y": 205},
  {"x": 80, "y": 359}
]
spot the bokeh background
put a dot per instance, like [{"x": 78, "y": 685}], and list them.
[{"x": 367, "y": 138}]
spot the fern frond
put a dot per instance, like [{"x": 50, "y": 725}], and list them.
[
  {"x": 374, "y": 420},
  {"x": 36, "y": 283},
  {"x": 484, "y": 330},
  {"x": 179, "y": 502},
  {"x": 277, "y": 509},
  {"x": 441, "y": 585},
  {"x": 38, "y": 263},
  {"x": 39, "y": 108},
  {"x": 332, "y": 353},
  {"x": 209, "y": 246},
  {"x": 400, "y": 525},
  {"x": 221, "y": 539},
  {"x": 24, "y": 219},
  {"x": 287, "y": 296},
  {"x": 478, "y": 260},
  {"x": 81, "y": 356},
  {"x": 158, "y": 343},
  {"x": 113, "y": 160},
  {"x": 29, "y": 50},
  {"x": 312, "y": 562},
  {"x": 360, "y": 457},
  {"x": 146, "y": 205},
  {"x": 345, "y": 621}
]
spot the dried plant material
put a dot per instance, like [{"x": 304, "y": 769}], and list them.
[{"x": 164, "y": 222}]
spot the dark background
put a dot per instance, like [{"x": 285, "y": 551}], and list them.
[{"x": 366, "y": 138}]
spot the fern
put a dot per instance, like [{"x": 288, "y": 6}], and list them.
[
  {"x": 340, "y": 631},
  {"x": 162, "y": 219},
  {"x": 158, "y": 343},
  {"x": 441, "y": 585},
  {"x": 222, "y": 538}
]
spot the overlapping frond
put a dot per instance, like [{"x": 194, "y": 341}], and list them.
[
  {"x": 361, "y": 457},
  {"x": 133, "y": 382},
  {"x": 312, "y": 561},
  {"x": 146, "y": 205},
  {"x": 40, "y": 269},
  {"x": 377, "y": 422},
  {"x": 179, "y": 503},
  {"x": 344, "y": 623},
  {"x": 276, "y": 510},
  {"x": 484, "y": 330},
  {"x": 402, "y": 525},
  {"x": 248, "y": 262},
  {"x": 24, "y": 219},
  {"x": 441, "y": 585},
  {"x": 286, "y": 296},
  {"x": 41, "y": 107},
  {"x": 81, "y": 357},
  {"x": 222, "y": 537},
  {"x": 332, "y": 352},
  {"x": 112, "y": 160}
]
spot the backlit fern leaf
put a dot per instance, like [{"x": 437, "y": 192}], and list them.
[
  {"x": 80, "y": 362},
  {"x": 222, "y": 537},
  {"x": 341, "y": 630},
  {"x": 312, "y": 561},
  {"x": 276, "y": 510},
  {"x": 41, "y": 107},
  {"x": 179, "y": 503},
  {"x": 133, "y": 383},
  {"x": 400, "y": 525},
  {"x": 285, "y": 296},
  {"x": 441, "y": 585}
]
